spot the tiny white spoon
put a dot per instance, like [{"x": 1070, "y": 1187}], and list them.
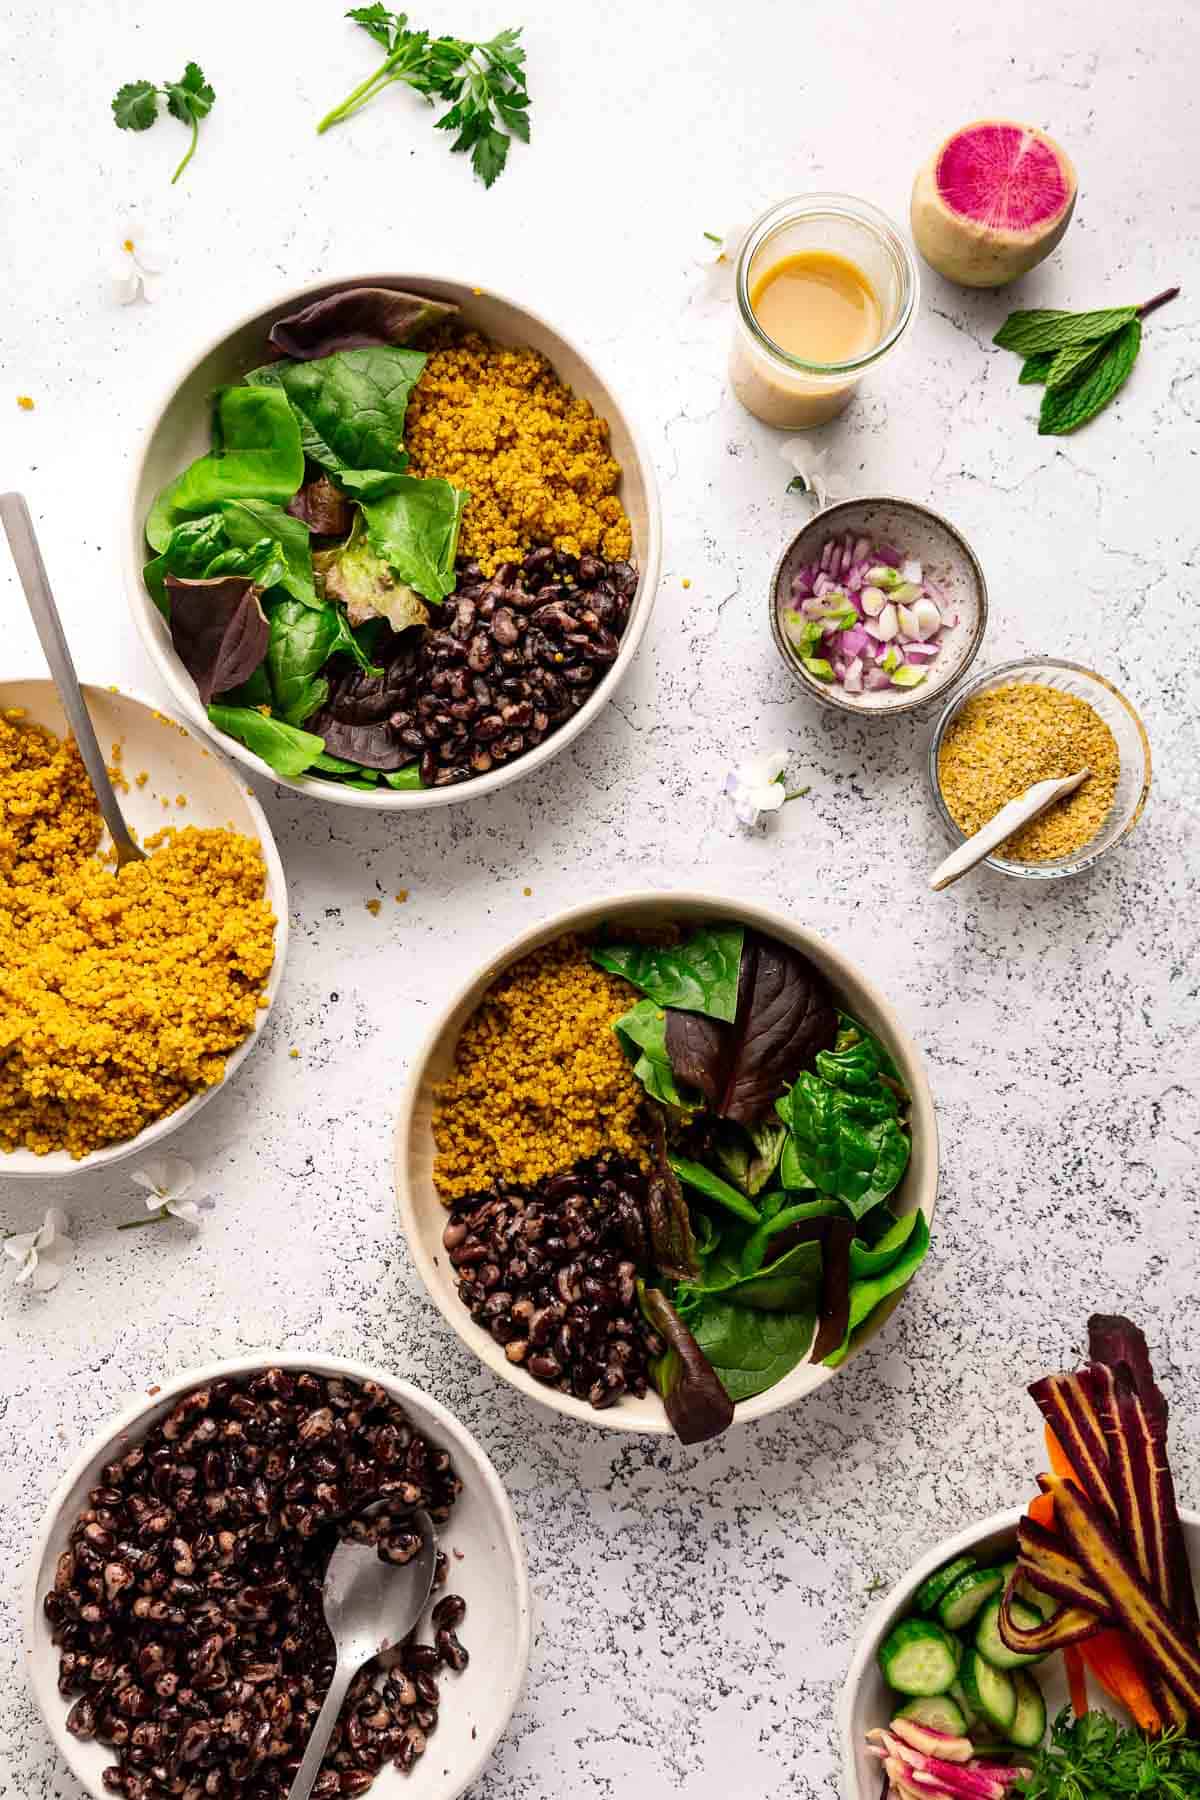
[{"x": 1018, "y": 812}]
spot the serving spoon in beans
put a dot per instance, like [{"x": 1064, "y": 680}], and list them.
[
  {"x": 22, "y": 541},
  {"x": 370, "y": 1605}
]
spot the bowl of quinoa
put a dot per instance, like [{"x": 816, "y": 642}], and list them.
[
  {"x": 522, "y": 1099},
  {"x": 127, "y": 997},
  {"x": 558, "y": 553}
]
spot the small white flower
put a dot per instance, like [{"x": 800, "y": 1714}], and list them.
[
  {"x": 137, "y": 265},
  {"x": 42, "y": 1255},
  {"x": 169, "y": 1181},
  {"x": 755, "y": 788},
  {"x": 719, "y": 261},
  {"x": 811, "y": 473}
]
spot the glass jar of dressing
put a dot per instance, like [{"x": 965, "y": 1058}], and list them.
[{"x": 826, "y": 288}]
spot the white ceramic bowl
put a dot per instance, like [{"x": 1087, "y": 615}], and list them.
[
  {"x": 179, "y": 432},
  {"x": 490, "y": 1576},
  {"x": 864, "y": 1702},
  {"x": 178, "y": 762},
  {"x": 423, "y": 1217}
]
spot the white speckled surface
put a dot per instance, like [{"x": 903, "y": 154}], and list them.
[{"x": 696, "y": 1610}]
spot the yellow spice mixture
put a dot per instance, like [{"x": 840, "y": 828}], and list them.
[
  {"x": 539, "y": 1077},
  {"x": 534, "y": 455},
  {"x": 1001, "y": 742},
  {"x": 121, "y": 992}
]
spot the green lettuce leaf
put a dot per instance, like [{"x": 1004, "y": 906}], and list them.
[
  {"x": 256, "y": 455},
  {"x": 871, "y": 1291},
  {"x": 283, "y": 747},
  {"x": 415, "y": 530},
  {"x": 642, "y": 1034}
]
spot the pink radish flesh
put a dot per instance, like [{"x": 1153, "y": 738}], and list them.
[{"x": 1002, "y": 176}]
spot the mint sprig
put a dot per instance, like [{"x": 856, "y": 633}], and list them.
[
  {"x": 1083, "y": 359},
  {"x": 190, "y": 99}
]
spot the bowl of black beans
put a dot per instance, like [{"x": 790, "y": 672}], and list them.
[{"x": 174, "y": 1620}]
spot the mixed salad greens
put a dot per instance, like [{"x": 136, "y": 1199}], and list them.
[
  {"x": 1100, "y": 1573},
  {"x": 290, "y": 557},
  {"x": 783, "y": 1132}
]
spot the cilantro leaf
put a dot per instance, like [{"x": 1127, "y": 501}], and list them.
[
  {"x": 190, "y": 97},
  {"x": 385, "y": 27},
  {"x": 135, "y": 106}
]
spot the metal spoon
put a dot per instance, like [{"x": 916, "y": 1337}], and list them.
[
  {"x": 1026, "y": 806},
  {"x": 369, "y": 1606},
  {"x": 18, "y": 525}
]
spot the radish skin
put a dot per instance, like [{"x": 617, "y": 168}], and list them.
[{"x": 993, "y": 200}]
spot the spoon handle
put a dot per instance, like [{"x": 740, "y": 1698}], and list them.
[
  {"x": 322, "y": 1731},
  {"x": 18, "y": 525},
  {"x": 1029, "y": 805}
]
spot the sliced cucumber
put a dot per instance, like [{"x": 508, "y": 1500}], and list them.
[
  {"x": 991, "y": 1645},
  {"x": 926, "y": 1598},
  {"x": 990, "y": 1692},
  {"x": 959, "y": 1696},
  {"x": 965, "y": 1600},
  {"x": 919, "y": 1658},
  {"x": 937, "y": 1713},
  {"x": 1029, "y": 1726}
]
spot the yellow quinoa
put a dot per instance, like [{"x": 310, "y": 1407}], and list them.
[
  {"x": 534, "y": 455},
  {"x": 1002, "y": 742},
  {"x": 121, "y": 992},
  {"x": 539, "y": 1078}
]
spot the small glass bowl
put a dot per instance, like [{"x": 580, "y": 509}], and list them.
[{"x": 1133, "y": 782}]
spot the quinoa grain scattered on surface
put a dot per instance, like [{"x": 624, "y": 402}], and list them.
[
  {"x": 1003, "y": 741},
  {"x": 539, "y": 1078},
  {"x": 121, "y": 992},
  {"x": 535, "y": 456}
]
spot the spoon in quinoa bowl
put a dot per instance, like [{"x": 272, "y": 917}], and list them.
[
  {"x": 404, "y": 563},
  {"x": 671, "y": 1163}
]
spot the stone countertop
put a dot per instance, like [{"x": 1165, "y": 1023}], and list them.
[{"x": 695, "y": 1610}]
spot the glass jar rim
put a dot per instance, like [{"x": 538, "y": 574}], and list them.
[{"x": 844, "y": 206}]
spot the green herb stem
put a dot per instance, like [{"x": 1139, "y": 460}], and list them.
[
  {"x": 1149, "y": 306},
  {"x": 191, "y": 150},
  {"x": 154, "y": 1218},
  {"x": 364, "y": 92}
]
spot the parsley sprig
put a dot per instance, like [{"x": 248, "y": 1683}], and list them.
[
  {"x": 1094, "y": 1758},
  {"x": 484, "y": 84},
  {"x": 1083, "y": 359},
  {"x": 190, "y": 99}
]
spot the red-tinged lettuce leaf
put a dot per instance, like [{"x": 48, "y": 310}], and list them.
[
  {"x": 1067, "y": 1404},
  {"x": 667, "y": 1216},
  {"x": 355, "y": 722},
  {"x": 1168, "y": 1647},
  {"x": 356, "y": 319},
  {"x": 696, "y": 1403},
  {"x": 785, "y": 1015},
  {"x": 219, "y": 630},
  {"x": 834, "y": 1320},
  {"x": 323, "y": 508},
  {"x": 1133, "y": 1414}
]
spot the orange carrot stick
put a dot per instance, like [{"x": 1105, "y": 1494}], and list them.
[
  {"x": 1109, "y": 1658},
  {"x": 1041, "y": 1511},
  {"x": 1076, "y": 1680}
]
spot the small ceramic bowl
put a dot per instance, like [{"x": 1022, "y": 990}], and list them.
[
  {"x": 866, "y": 1698},
  {"x": 177, "y": 761},
  {"x": 179, "y": 432},
  {"x": 1133, "y": 782},
  {"x": 946, "y": 559},
  {"x": 488, "y": 1571},
  {"x": 423, "y": 1217}
]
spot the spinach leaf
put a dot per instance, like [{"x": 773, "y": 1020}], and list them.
[
  {"x": 641, "y": 1033},
  {"x": 335, "y": 765},
  {"x": 779, "y": 1218},
  {"x": 750, "y": 1350},
  {"x": 350, "y": 406},
  {"x": 790, "y": 1284},
  {"x": 712, "y": 1187},
  {"x": 750, "y": 1157},
  {"x": 256, "y": 455},
  {"x": 218, "y": 629},
  {"x": 405, "y": 779},
  {"x": 415, "y": 530},
  {"x": 692, "y": 1394},
  {"x": 792, "y": 1172},
  {"x": 851, "y": 1034},
  {"x": 250, "y": 521},
  {"x": 867, "y": 1261},
  {"x": 254, "y": 691},
  {"x": 867, "y": 1294},
  {"x": 357, "y": 575},
  {"x": 283, "y": 747},
  {"x": 849, "y": 1143},
  {"x": 699, "y": 975},
  {"x": 300, "y": 646},
  {"x": 785, "y": 1015}
]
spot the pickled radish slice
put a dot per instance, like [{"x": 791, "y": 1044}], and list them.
[{"x": 991, "y": 202}]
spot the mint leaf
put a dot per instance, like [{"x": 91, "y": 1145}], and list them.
[
  {"x": 1042, "y": 329},
  {"x": 1037, "y": 367},
  {"x": 1073, "y": 360},
  {"x": 135, "y": 106},
  {"x": 1065, "y": 409}
]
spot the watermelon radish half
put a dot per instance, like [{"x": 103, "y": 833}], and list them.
[{"x": 991, "y": 202}]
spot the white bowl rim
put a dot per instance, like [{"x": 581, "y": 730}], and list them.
[
  {"x": 48, "y": 1167},
  {"x": 392, "y": 800},
  {"x": 127, "y": 1419},
  {"x": 995, "y": 1525},
  {"x": 616, "y": 1418}
]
